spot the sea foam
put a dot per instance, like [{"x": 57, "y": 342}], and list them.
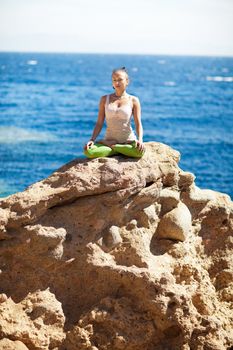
[
  {"x": 12, "y": 134},
  {"x": 220, "y": 78},
  {"x": 169, "y": 83},
  {"x": 32, "y": 62}
]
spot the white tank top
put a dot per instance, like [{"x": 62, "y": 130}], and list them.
[{"x": 118, "y": 121}]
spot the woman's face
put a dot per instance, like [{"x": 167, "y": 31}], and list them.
[{"x": 120, "y": 80}]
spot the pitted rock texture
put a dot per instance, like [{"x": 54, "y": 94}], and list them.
[{"x": 117, "y": 254}]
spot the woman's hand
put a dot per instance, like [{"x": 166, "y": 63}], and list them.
[
  {"x": 140, "y": 146},
  {"x": 88, "y": 145}
]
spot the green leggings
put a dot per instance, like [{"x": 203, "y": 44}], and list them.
[{"x": 100, "y": 150}]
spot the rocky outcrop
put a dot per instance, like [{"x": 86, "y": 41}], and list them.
[{"x": 117, "y": 253}]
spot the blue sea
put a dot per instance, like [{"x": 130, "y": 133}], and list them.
[{"x": 49, "y": 105}]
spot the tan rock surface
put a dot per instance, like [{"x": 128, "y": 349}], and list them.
[
  {"x": 37, "y": 321},
  {"x": 7, "y": 344},
  {"x": 175, "y": 224},
  {"x": 84, "y": 265}
]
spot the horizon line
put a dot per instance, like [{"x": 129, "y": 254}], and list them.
[{"x": 117, "y": 53}]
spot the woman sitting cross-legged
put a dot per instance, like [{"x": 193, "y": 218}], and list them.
[{"x": 118, "y": 109}]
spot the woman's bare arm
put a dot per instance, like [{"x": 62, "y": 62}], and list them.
[
  {"x": 137, "y": 120},
  {"x": 99, "y": 123},
  {"x": 100, "y": 119}
]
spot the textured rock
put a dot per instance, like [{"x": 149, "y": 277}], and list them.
[
  {"x": 37, "y": 321},
  {"x": 7, "y": 344},
  {"x": 117, "y": 253},
  {"x": 169, "y": 200},
  {"x": 176, "y": 224},
  {"x": 112, "y": 237}
]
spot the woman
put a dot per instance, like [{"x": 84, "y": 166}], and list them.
[{"x": 118, "y": 109}]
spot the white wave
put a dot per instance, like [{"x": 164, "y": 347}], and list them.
[
  {"x": 169, "y": 83},
  {"x": 32, "y": 62},
  {"x": 161, "y": 61},
  {"x": 134, "y": 69},
  {"x": 12, "y": 134},
  {"x": 220, "y": 78}
]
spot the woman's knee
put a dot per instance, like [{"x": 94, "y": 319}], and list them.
[
  {"x": 138, "y": 153},
  {"x": 98, "y": 150},
  {"x": 89, "y": 153},
  {"x": 129, "y": 150}
]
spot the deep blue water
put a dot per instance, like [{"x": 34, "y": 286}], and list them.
[{"x": 49, "y": 105}]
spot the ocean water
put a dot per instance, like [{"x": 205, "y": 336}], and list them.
[{"x": 49, "y": 105}]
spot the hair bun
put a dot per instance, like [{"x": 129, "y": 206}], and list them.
[{"x": 123, "y": 69}]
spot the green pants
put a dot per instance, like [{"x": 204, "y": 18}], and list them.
[{"x": 100, "y": 150}]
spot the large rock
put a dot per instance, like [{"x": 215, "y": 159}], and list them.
[
  {"x": 176, "y": 224},
  {"x": 37, "y": 321},
  {"x": 117, "y": 253},
  {"x": 7, "y": 344}
]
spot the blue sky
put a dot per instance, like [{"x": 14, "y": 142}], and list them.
[{"x": 192, "y": 27}]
